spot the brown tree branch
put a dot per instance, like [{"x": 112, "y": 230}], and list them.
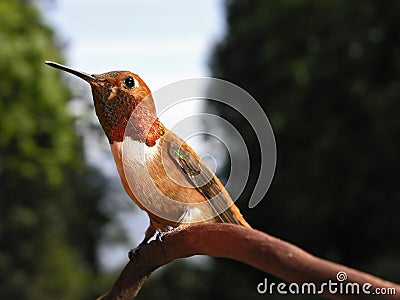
[{"x": 250, "y": 246}]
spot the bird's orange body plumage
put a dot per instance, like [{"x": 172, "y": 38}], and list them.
[{"x": 127, "y": 114}]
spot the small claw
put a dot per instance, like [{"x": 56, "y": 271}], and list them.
[{"x": 160, "y": 237}]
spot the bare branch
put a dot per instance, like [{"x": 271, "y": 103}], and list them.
[{"x": 250, "y": 246}]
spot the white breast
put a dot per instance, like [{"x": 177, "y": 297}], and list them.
[{"x": 138, "y": 153}]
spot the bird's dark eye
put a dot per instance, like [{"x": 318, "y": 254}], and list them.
[{"x": 129, "y": 82}]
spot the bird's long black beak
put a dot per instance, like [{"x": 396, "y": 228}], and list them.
[{"x": 87, "y": 77}]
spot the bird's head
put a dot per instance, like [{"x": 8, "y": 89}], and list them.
[{"x": 117, "y": 95}]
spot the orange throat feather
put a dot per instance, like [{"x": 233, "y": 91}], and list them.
[{"x": 142, "y": 126}]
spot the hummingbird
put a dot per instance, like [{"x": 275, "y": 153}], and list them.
[{"x": 160, "y": 172}]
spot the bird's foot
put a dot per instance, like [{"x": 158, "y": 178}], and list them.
[{"x": 160, "y": 237}]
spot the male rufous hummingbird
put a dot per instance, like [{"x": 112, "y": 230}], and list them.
[{"x": 161, "y": 173}]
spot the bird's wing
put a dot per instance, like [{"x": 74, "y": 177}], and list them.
[{"x": 202, "y": 178}]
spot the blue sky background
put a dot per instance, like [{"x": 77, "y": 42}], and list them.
[{"x": 163, "y": 42}]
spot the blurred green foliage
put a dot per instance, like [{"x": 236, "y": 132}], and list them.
[
  {"x": 327, "y": 74},
  {"x": 50, "y": 220}
]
